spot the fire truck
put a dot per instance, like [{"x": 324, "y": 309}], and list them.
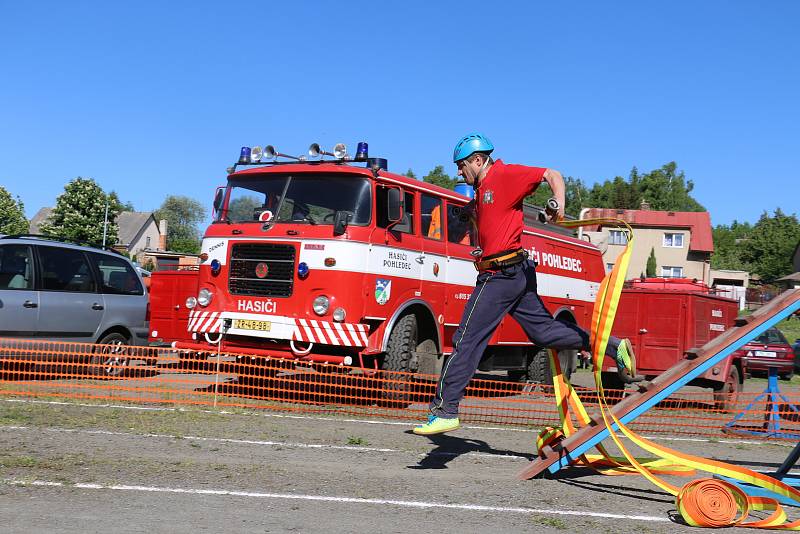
[{"x": 332, "y": 258}]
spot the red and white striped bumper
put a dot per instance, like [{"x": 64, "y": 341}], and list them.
[{"x": 306, "y": 330}]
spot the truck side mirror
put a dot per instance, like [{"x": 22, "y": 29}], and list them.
[
  {"x": 219, "y": 198},
  {"x": 340, "y": 220},
  {"x": 395, "y": 205}
]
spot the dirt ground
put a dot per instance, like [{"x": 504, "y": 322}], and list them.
[{"x": 70, "y": 467}]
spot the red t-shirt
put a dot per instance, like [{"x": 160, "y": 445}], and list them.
[{"x": 498, "y": 205}]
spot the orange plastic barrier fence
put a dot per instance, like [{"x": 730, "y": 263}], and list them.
[{"x": 168, "y": 376}]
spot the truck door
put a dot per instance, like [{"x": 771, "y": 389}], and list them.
[
  {"x": 460, "y": 273},
  {"x": 433, "y": 272},
  {"x": 70, "y": 306},
  {"x": 663, "y": 325},
  {"x": 395, "y": 257},
  {"x": 19, "y": 302}
]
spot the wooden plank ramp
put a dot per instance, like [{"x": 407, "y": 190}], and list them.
[{"x": 697, "y": 362}]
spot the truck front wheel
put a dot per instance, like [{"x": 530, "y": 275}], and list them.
[
  {"x": 727, "y": 393},
  {"x": 400, "y": 359}
]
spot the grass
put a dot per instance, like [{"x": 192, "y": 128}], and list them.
[
  {"x": 790, "y": 328},
  {"x": 552, "y": 522},
  {"x": 356, "y": 440}
]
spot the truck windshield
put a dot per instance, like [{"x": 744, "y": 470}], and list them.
[{"x": 310, "y": 198}]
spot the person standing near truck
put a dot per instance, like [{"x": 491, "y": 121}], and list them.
[{"x": 506, "y": 280}]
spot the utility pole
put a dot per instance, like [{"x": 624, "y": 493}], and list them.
[{"x": 105, "y": 224}]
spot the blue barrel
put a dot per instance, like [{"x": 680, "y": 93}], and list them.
[{"x": 462, "y": 188}]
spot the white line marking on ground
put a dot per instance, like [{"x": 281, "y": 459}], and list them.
[
  {"x": 338, "y": 499},
  {"x": 333, "y": 417},
  {"x": 262, "y": 442}
]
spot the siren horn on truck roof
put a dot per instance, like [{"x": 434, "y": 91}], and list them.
[
  {"x": 271, "y": 154},
  {"x": 315, "y": 151}
]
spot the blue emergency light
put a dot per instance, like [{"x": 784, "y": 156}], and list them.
[
  {"x": 362, "y": 152},
  {"x": 244, "y": 155},
  {"x": 216, "y": 266},
  {"x": 302, "y": 269}
]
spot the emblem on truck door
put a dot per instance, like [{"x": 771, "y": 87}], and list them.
[{"x": 383, "y": 290}]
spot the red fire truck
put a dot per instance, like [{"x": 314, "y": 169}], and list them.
[
  {"x": 330, "y": 258},
  {"x": 666, "y": 317}
]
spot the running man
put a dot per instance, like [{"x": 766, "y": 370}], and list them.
[{"x": 506, "y": 278}]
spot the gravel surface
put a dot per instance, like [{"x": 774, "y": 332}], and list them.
[{"x": 81, "y": 468}]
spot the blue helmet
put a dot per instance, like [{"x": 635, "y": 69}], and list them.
[{"x": 469, "y": 144}]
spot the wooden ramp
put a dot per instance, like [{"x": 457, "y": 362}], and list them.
[{"x": 698, "y": 362}]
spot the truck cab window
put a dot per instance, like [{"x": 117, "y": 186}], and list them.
[
  {"x": 406, "y": 224},
  {"x": 459, "y": 226},
  {"x": 431, "y": 215}
]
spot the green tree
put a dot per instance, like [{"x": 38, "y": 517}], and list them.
[
  {"x": 80, "y": 211},
  {"x": 575, "y": 194},
  {"x": 770, "y": 245},
  {"x": 182, "y": 214},
  {"x": 12, "y": 214},
  {"x": 411, "y": 174},
  {"x": 652, "y": 265},
  {"x": 667, "y": 189},
  {"x": 729, "y": 242},
  {"x": 438, "y": 177}
]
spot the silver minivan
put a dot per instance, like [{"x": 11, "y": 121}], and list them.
[{"x": 59, "y": 291}]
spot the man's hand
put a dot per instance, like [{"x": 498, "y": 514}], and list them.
[{"x": 556, "y": 183}]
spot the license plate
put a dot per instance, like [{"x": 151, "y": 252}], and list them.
[
  {"x": 250, "y": 324},
  {"x": 766, "y": 353}
]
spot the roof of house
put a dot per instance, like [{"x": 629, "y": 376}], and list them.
[
  {"x": 131, "y": 223},
  {"x": 38, "y": 219},
  {"x": 794, "y": 277},
  {"x": 698, "y": 223}
]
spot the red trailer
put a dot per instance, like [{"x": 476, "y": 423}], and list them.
[{"x": 665, "y": 318}]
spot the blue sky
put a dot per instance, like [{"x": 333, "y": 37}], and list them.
[{"x": 155, "y": 98}]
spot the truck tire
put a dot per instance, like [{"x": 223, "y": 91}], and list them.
[
  {"x": 727, "y": 393},
  {"x": 400, "y": 358},
  {"x": 539, "y": 366},
  {"x": 613, "y": 385}
]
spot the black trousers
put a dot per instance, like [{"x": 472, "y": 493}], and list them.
[{"x": 511, "y": 290}]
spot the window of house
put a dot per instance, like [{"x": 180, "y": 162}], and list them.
[
  {"x": 617, "y": 237},
  {"x": 609, "y": 266},
  {"x": 431, "y": 215},
  {"x": 147, "y": 243},
  {"x": 671, "y": 272},
  {"x": 673, "y": 240}
]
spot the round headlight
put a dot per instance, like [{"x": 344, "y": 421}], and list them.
[
  {"x": 339, "y": 315},
  {"x": 321, "y": 304},
  {"x": 204, "y": 297},
  {"x": 255, "y": 154},
  {"x": 191, "y": 302}
]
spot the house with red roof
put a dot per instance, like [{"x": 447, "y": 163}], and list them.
[{"x": 682, "y": 241}]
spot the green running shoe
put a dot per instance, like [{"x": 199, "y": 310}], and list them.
[
  {"x": 437, "y": 425},
  {"x": 625, "y": 357}
]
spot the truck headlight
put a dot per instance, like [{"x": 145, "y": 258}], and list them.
[
  {"x": 339, "y": 315},
  {"x": 191, "y": 302},
  {"x": 321, "y": 305},
  {"x": 204, "y": 297}
]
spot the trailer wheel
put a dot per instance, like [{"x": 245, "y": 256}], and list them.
[
  {"x": 727, "y": 393},
  {"x": 400, "y": 358},
  {"x": 787, "y": 376}
]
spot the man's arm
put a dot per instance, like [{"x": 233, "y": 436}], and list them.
[{"x": 556, "y": 183}]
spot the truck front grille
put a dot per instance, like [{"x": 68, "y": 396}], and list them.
[{"x": 245, "y": 260}]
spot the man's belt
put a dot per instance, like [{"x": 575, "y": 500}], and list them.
[{"x": 502, "y": 259}]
